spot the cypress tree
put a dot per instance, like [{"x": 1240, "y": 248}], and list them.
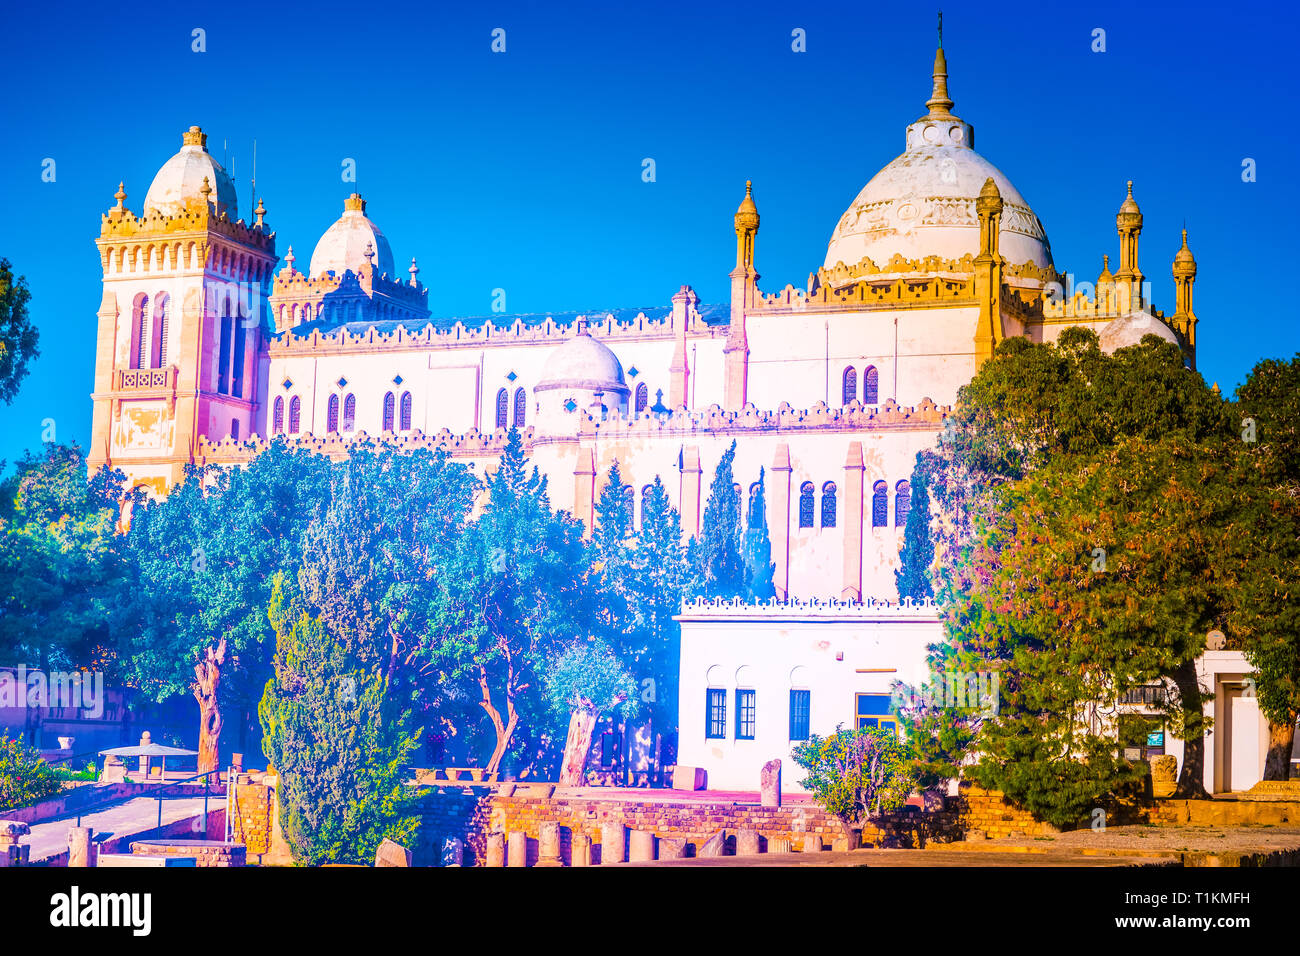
[
  {"x": 917, "y": 553},
  {"x": 722, "y": 568},
  {"x": 759, "y": 567}
]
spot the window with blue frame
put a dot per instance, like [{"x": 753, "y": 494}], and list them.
[
  {"x": 746, "y": 722},
  {"x": 715, "y": 714},
  {"x": 800, "y": 709}
]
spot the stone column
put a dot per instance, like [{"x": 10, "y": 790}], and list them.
[
  {"x": 580, "y": 850},
  {"x": 851, "y": 521},
  {"x": 779, "y": 845},
  {"x": 747, "y": 843},
  {"x": 548, "y": 845},
  {"x": 81, "y": 851},
  {"x": 812, "y": 843},
  {"x": 690, "y": 508},
  {"x": 584, "y": 490},
  {"x": 642, "y": 846},
  {"x": 679, "y": 372},
  {"x": 612, "y": 837},
  {"x": 517, "y": 848},
  {"x": 778, "y": 519},
  {"x": 496, "y": 850},
  {"x": 770, "y": 783}
]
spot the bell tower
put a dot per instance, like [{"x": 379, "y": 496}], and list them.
[{"x": 182, "y": 321}]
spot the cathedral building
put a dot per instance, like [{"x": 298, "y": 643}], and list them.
[{"x": 207, "y": 352}]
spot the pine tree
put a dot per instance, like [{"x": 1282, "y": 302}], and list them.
[
  {"x": 722, "y": 568},
  {"x": 917, "y": 554},
  {"x": 759, "y": 567}
]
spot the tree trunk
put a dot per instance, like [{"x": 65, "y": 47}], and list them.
[
  {"x": 1191, "y": 782},
  {"x": 577, "y": 745},
  {"x": 504, "y": 729},
  {"x": 207, "y": 683},
  {"x": 1281, "y": 738}
]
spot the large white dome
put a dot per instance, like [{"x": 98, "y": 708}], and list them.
[
  {"x": 923, "y": 203},
  {"x": 583, "y": 363},
  {"x": 180, "y": 181},
  {"x": 345, "y": 243}
]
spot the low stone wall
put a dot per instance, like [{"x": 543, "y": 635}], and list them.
[
  {"x": 205, "y": 852},
  {"x": 250, "y": 816},
  {"x": 470, "y": 813},
  {"x": 1223, "y": 813}
]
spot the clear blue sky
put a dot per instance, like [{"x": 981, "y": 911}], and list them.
[{"x": 523, "y": 170}]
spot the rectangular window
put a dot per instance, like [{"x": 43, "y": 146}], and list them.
[
  {"x": 715, "y": 714},
  {"x": 800, "y": 707},
  {"x": 745, "y": 714},
  {"x": 873, "y": 711}
]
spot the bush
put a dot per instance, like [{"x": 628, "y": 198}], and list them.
[
  {"x": 24, "y": 777},
  {"x": 856, "y": 774}
]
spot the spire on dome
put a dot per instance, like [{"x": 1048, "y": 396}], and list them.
[
  {"x": 260, "y": 212},
  {"x": 354, "y": 203},
  {"x": 289, "y": 259},
  {"x": 206, "y": 190},
  {"x": 194, "y": 136},
  {"x": 414, "y": 271},
  {"x": 939, "y": 103}
]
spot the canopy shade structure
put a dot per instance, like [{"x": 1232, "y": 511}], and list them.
[{"x": 148, "y": 750}]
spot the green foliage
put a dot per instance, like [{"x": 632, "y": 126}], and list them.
[
  {"x": 338, "y": 738},
  {"x": 1271, "y": 396},
  {"x": 18, "y": 336},
  {"x": 24, "y": 777},
  {"x": 759, "y": 567},
  {"x": 588, "y": 675},
  {"x": 855, "y": 774},
  {"x": 917, "y": 553},
  {"x": 721, "y": 565},
  {"x": 62, "y": 566}
]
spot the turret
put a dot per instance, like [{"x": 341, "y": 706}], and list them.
[
  {"x": 988, "y": 271},
  {"x": 1129, "y": 278},
  {"x": 1184, "y": 318},
  {"x": 744, "y": 292}
]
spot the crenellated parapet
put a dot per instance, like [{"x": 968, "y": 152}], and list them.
[
  {"x": 830, "y": 608},
  {"x": 471, "y": 444},
  {"x": 900, "y": 292},
  {"x": 400, "y": 337},
  {"x": 683, "y": 422}
]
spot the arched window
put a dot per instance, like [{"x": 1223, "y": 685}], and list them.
[
  {"x": 503, "y": 401},
  {"x": 902, "y": 503},
  {"x": 237, "y": 359},
  {"x": 295, "y": 415},
  {"x": 521, "y": 407},
  {"x": 277, "y": 416},
  {"x": 406, "y": 411},
  {"x": 350, "y": 413},
  {"x": 140, "y": 332},
  {"x": 223, "y": 351},
  {"x": 806, "y": 505},
  {"x": 160, "y": 309},
  {"x": 234, "y": 429},
  {"x": 332, "y": 415},
  {"x": 828, "y": 505},
  {"x": 870, "y": 386},
  {"x": 642, "y": 397},
  {"x": 879, "y": 505},
  {"x": 850, "y": 390},
  {"x": 390, "y": 405}
]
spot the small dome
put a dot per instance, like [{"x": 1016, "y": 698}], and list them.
[
  {"x": 583, "y": 363},
  {"x": 747, "y": 212},
  {"x": 1129, "y": 329},
  {"x": 180, "y": 180},
  {"x": 344, "y": 244}
]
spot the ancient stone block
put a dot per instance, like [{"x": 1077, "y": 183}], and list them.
[
  {"x": 770, "y": 784},
  {"x": 689, "y": 778},
  {"x": 779, "y": 845},
  {"x": 672, "y": 848},
  {"x": 747, "y": 843},
  {"x": 580, "y": 849},
  {"x": 517, "y": 848},
  {"x": 641, "y": 846},
  {"x": 612, "y": 839},
  {"x": 496, "y": 849},
  {"x": 548, "y": 844},
  {"x": 392, "y": 854},
  {"x": 812, "y": 843},
  {"x": 715, "y": 845}
]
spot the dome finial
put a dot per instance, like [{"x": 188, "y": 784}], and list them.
[
  {"x": 194, "y": 136},
  {"x": 414, "y": 271},
  {"x": 354, "y": 203},
  {"x": 206, "y": 190},
  {"x": 260, "y": 212},
  {"x": 940, "y": 29},
  {"x": 289, "y": 259},
  {"x": 939, "y": 103},
  {"x": 120, "y": 196}
]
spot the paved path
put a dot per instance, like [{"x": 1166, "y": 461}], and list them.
[{"x": 136, "y": 815}]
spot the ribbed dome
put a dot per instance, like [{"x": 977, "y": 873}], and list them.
[
  {"x": 344, "y": 244},
  {"x": 923, "y": 203},
  {"x": 582, "y": 362},
  {"x": 180, "y": 180}
]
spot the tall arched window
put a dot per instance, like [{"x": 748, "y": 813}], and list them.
[
  {"x": 350, "y": 413},
  {"x": 503, "y": 402},
  {"x": 870, "y": 386},
  {"x": 902, "y": 503},
  {"x": 234, "y": 429},
  {"x": 828, "y": 505},
  {"x": 295, "y": 415},
  {"x": 642, "y": 397},
  {"x": 521, "y": 407},
  {"x": 159, "y": 334},
  {"x": 390, "y": 406},
  {"x": 140, "y": 332},
  {"x": 754, "y": 519},
  {"x": 223, "y": 350},
  {"x": 406, "y": 411},
  {"x": 850, "y": 390},
  {"x": 806, "y": 505},
  {"x": 879, "y": 505},
  {"x": 277, "y": 416},
  {"x": 237, "y": 359},
  {"x": 332, "y": 415}
]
